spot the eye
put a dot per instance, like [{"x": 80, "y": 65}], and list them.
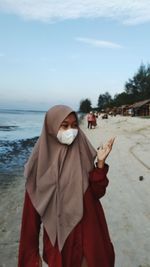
[
  {"x": 75, "y": 125},
  {"x": 64, "y": 126}
]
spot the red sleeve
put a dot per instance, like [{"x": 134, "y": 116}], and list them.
[
  {"x": 98, "y": 181},
  {"x": 29, "y": 239}
]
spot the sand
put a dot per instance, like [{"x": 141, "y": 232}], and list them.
[{"x": 126, "y": 203}]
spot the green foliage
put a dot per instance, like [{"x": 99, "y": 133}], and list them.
[
  {"x": 85, "y": 105},
  {"x": 104, "y": 100},
  {"x": 139, "y": 86},
  {"x": 122, "y": 99},
  {"x": 136, "y": 88}
]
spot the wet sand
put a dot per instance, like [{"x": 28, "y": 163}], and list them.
[{"x": 126, "y": 203}]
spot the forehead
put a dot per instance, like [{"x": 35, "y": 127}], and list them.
[{"x": 70, "y": 118}]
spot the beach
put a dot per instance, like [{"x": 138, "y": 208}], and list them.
[{"x": 126, "y": 203}]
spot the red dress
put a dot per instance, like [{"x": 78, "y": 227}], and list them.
[{"x": 90, "y": 237}]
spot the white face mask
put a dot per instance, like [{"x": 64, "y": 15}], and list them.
[{"x": 67, "y": 136}]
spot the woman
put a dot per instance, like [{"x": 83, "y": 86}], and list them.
[{"x": 63, "y": 188}]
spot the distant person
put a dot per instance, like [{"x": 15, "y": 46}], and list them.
[
  {"x": 96, "y": 114},
  {"x": 89, "y": 120},
  {"x": 63, "y": 188},
  {"x": 94, "y": 121}
]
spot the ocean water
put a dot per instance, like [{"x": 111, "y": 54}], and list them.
[
  {"x": 19, "y": 130},
  {"x": 20, "y": 124}
]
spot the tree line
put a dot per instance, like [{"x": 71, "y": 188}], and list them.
[{"x": 135, "y": 89}]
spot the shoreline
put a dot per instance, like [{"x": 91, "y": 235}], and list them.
[{"x": 15, "y": 153}]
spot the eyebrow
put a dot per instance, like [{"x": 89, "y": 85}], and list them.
[{"x": 65, "y": 121}]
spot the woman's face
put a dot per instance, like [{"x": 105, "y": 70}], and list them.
[
  {"x": 70, "y": 122},
  {"x": 68, "y": 130}
]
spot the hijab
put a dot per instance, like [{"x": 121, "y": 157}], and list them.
[{"x": 57, "y": 176}]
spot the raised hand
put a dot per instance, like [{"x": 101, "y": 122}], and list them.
[{"x": 103, "y": 152}]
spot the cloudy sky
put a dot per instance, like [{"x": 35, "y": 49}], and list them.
[{"x": 62, "y": 51}]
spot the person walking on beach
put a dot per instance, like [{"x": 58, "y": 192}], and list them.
[
  {"x": 94, "y": 122},
  {"x": 66, "y": 177},
  {"x": 89, "y": 119}
]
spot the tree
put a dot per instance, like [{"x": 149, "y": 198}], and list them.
[
  {"x": 85, "y": 105},
  {"x": 104, "y": 101},
  {"x": 122, "y": 99},
  {"x": 139, "y": 86}
]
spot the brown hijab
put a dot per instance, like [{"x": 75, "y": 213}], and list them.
[{"x": 57, "y": 176}]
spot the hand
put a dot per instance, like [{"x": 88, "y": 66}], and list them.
[{"x": 103, "y": 152}]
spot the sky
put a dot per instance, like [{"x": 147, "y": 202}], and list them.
[{"x": 63, "y": 51}]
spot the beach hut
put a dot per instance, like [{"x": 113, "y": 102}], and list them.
[
  {"x": 123, "y": 110},
  {"x": 141, "y": 108}
]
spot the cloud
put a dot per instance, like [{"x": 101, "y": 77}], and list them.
[
  {"x": 98, "y": 43},
  {"x": 127, "y": 12}
]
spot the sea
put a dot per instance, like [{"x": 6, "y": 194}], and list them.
[
  {"x": 20, "y": 124},
  {"x": 19, "y": 130}
]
